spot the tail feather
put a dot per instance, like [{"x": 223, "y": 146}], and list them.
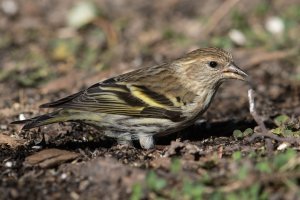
[
  {"x": 61, "y": 102},
  {"x": 61, "y": 115},
  {"x": 41, "y": 120}
]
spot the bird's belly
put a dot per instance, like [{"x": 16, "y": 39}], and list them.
[{"x": 115, "y": 125}]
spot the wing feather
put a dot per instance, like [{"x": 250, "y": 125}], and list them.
[{"x": 121, "y": 99}]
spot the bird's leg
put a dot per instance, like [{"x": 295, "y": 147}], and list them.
[
  {"x": 125, "y": 140},
  {"x": 146, "y": 141}
]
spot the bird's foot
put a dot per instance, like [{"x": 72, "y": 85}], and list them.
[{"x": 146, "y": 141}]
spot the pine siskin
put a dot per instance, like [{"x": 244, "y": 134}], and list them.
[{"x": 156, "y": 100}]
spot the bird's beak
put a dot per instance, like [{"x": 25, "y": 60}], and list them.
[{"x": 234, "y": 72}]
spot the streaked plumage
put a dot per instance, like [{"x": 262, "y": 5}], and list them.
[{"x": 155, "y": 100}]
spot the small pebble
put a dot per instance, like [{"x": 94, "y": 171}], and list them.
[
  {"x": 74, "y": 195},
  {"x": 63, "y": 176},
  {"x": 36, "y": 147},
  {"x": 283, "y": 146},
  {"x": 16, "y": 106},
  {"x": 237, "y": 37},
  {"x": 8, "y": 164},
  {"x": 22, "y": 116},
  {"x": 9, "y": 7},
  {"x": 275, "y": 25},
  {"x": 3, "y": 127}
]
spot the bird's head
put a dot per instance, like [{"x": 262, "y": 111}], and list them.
[{"x": 210, "y": 66}]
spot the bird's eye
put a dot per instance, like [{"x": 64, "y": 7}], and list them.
[{"x": 213, "y": 64}]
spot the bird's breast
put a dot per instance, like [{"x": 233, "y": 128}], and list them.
[{"x": 199, "y": 105}]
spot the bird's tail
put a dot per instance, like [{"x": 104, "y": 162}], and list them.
[{"x": 54, "y": 117}]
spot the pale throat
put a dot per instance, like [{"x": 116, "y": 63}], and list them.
[
  {"x": 204, "y": 88},
  {"x": 202, "y": 100}
]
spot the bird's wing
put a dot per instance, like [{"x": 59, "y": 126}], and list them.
[{"x": 121, "y": 99}]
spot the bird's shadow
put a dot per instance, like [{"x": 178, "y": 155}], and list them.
[
  {"x": 197, "y": 132},
  {"x": 204, "y": 130}
]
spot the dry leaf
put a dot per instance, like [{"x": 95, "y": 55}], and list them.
[
  {"x": 50, "y": 157},
  {"x": 10, "y": 141}
]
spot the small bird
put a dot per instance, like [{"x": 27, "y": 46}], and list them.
[{"x": 157, "y": 100}]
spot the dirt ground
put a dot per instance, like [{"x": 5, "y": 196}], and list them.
[{"x": 225, "y": 155}]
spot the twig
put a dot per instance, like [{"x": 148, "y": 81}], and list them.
[
  {"x": 291, "y": 140},
  {"x": 263, "y": 179},
  {"x": 269, "y": 56},
  {"x": 253, "y": 112},
  {"x": 237, "y": 185},
  {"x": 264, "y": 131},
  {"x": 259, "y": 121},
  {"x": 109, "y": 30},
  {"x": 219, "y": 14}
]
